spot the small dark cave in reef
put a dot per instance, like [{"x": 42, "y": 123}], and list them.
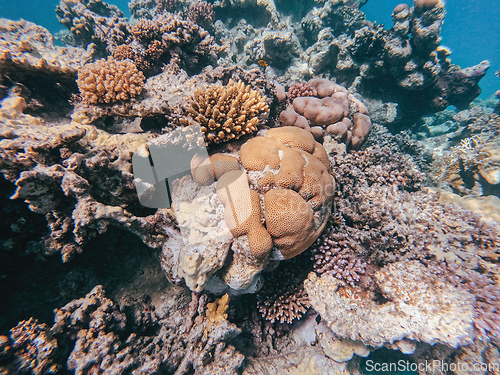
[{"x": 33, "y": 285}]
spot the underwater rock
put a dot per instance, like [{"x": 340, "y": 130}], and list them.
[{"x": 32, "y": 66}]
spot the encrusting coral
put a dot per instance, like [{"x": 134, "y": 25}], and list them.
[
  {"x": 108, "y": 81},
  {"x": 228, "y": 112}
]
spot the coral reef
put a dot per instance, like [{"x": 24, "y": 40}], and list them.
[
  {"x": 93, "y": 22},
  {"x": 167, "y": 36},
  {"x": 427, "y": 310},
  {"x": 270, "y": 231},
  {"x": 228, "y": 112},
  {"x": 32, "y": 66},
  {"x": 108, "y": 81},
  {"x": 295, "y": 203},
  {"x": 327, "y": 108},
  {"x": 67, "y": 163},
  {"x": 472, "y": 165},
  {"x": 94, "y": 334}
]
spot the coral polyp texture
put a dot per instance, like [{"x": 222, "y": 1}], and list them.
[
  {"x": 228, "y": 112},
  {"x": 324, "y": 107},
  {"x": 280, "y": 179},
  {"x": 109, "y": 81}
]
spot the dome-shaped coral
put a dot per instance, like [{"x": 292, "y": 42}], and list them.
[
  {"x": 276, "y": 195},
  {"x": 108, "y": 81}
]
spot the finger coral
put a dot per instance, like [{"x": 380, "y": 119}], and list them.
[
  {"x": 108, "y": 81},
  {"x": 228, "y": 112}
]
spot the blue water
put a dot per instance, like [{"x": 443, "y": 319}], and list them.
[
  {"x": 471, "y": 27},
  {"x": 471, "y": 30}
]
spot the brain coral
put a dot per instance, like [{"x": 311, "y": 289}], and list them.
[
  {"x": 275, "y": 198},
  {"x": 228, "y": 112},
  {"x": 108, "y": 81}
]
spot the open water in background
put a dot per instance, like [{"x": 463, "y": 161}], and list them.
[{"x": 471, "y": 28}]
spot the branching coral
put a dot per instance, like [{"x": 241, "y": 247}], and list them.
[
  {"x": 202, "y": 13},
  {"x": 108, "y": 81},
  {"x": 155, "y": 42},
  {"x": 31, "y": 346},
  {"x": 163, "y": 6},
  {"x": 93, "y": 21},
  {"x": 283, "y": 297},
  {"x": 299, "y": 89},
  {"x": 334, "y": 254},
  {"x": 228, "y": 112}
]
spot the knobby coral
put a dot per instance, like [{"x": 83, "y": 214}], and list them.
[
  {"x": 228, "y": 112},
  {"x": 108, "y": 81},
  {"x": 328, "y": 108},
  {"x": 281, "y": 179}
]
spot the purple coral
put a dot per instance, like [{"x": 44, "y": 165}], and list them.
[
  {"x": 334, "y": 254},
  {"x": 299, "y": 89}
]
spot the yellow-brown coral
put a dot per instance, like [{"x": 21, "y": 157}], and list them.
[
  {"x": 108, "y": 81},
  {"x": 228, "y": 112}
]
